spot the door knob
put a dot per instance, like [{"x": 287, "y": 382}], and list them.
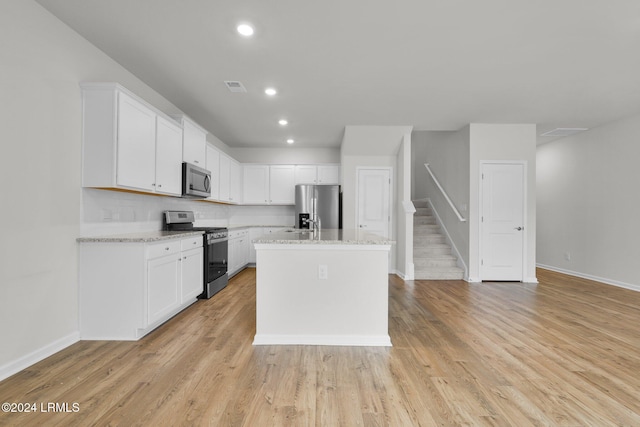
[{"x": 519, "y": 228}]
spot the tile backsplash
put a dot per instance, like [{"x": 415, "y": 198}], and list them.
[{"x": 113, "y": 212}]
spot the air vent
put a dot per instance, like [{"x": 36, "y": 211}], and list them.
[
  {"x": 564, "y": 131},
  {"x": 236, "y": 87}
]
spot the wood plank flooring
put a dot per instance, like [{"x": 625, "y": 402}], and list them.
[{"x": 564, "y": 352}]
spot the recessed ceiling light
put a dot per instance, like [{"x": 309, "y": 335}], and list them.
[
  {"x": 270, "y": 91},
  {"x": 245, "y": 30},
  {"x": 290, "y": 141},
  {"x": 283, "y": 122}
]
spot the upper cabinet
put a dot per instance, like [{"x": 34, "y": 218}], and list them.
[
  {"x": 268, "y": 184},
  {"x": 168, "y": 156},
  {"x": 194, "y": 142},
  {"x": 213, "y": 166},
  {"x": 127, "y": 144},
  {"x": 317, "y": 174}
]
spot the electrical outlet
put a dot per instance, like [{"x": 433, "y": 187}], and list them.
[
  {"x": 567, "y": 256},
  {"x": 323, "y": 272}
]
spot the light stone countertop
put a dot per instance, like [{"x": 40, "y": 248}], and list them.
[
  {"x": 324, "y": 237},
  {"x": 142, "y": 237}
]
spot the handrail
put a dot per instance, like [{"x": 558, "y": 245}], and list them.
[{"x": 444, "y": 193}]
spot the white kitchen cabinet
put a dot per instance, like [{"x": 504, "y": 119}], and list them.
[
  {"x": 306, "y": 174},
  {"x": 235, "y": 181},
  {"x": 128, "y": 288},
  {"x": 225, "y": 166},
  {"x": 256, "y": 184},
  {"x": 192, "y": 270},
  {"x": 238, "y": 250},
  {"x": 281, "y": 184},
  {"x": 168, "y": 157},
  {"x": 254, "y": 233},
  {"x": 136, "y": 144},
  {"x": 213, "y": 166},
  {"x": 127, "y": 143},
  {"x": 328, "y": 174},
  {"x": 194, "y": 142},
  {"x": 163, "y": 286},
  {"x": 268, "y": 184},
  {"x": 317, "y": 174}
]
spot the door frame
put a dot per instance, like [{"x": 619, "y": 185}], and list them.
[
  {"x": 525, "y": 217},
  {"x": 357, "y": 210}
]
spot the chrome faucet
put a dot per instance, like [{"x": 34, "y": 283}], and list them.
[{"x": 315, "y": 222}]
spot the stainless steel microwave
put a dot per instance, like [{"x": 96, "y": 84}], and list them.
[{"x": 196, "y": 181}]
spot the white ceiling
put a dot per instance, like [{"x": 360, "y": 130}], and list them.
[{"x": 432, "y": 64}]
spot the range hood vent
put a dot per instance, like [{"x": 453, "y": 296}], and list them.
[{"x": 236, "y": 87}]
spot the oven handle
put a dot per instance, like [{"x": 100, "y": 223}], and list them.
[{"x": 224, "y": 239}]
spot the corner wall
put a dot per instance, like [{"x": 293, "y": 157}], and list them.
[
  {"x": 43, "y": 62},
  {"x": 588, "y": 204}
]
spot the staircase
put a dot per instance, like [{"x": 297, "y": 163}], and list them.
[{"x": 432, "y": 256}]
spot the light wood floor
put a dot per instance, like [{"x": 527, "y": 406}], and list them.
[{"x": 565, "y": 352}]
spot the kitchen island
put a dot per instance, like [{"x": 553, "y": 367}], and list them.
[{"x": 322, "y": 288}]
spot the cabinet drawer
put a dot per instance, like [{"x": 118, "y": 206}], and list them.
[
  {"x": 191, "y": 243},
  {"x": 161, "y": 249}
]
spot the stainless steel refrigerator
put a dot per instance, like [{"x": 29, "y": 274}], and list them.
[{"x": 318, "y": 202}]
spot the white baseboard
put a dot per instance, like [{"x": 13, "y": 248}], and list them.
[
  {"x": 342, "y": 340},
  {"x": 36, "y": 356},
  {"x": 591, "y": 277}
]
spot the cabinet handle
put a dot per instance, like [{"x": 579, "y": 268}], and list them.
[
  {"x": 195, "y": 161},
  {"x": 153, "y": 184},
  {"x": 159, "y": 185},
  {"x": 184, "y": 258},
  {"x": 167, "y": 248}
]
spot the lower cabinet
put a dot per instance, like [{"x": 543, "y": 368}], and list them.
[
  {"x": 239, "y": 242},
  {"x": 127, "y": 289}
]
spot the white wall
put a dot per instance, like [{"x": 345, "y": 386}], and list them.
[
  {"x": 286, "y": 155},
  {"x": 502, "y": 142},
  {"x": 447, "y": 153},
  {"x": 404, "y": 211},
  {"x": 43, "y": 62},
  {"x": 588, "y": 204}
]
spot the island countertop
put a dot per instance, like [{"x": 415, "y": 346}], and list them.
[{"x": 323, "y": 237}]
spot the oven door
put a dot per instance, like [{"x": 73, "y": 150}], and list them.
[{"x": 218, "y": 250}]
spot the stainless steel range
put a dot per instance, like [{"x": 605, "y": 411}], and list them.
[{"x": 215, "y": 244}]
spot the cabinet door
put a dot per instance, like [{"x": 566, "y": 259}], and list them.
[
  {"x": 136, "y": 153},
  {"x": 235, "y": 182},
  {"x": 213, "y": 166},
  {"x": 256, "y": 184},
  {"x": 233, "y": 255},
  {"x": 192, "y": 274},
  {"x": 225, "y": 164},
  {"x": 328, "y": 174},
  {"x": 305, "y": 174},
  {"x": 168, "y": 157},
  {"x": 163, "y": 279},
  {"x": 254, "y": 233},
  {"x": 194, "y": 144},
  {"x": 282, "y": 185}
]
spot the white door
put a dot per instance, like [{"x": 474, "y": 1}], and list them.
[
  {"x": 502, "y": 222},
  {"x": 374, "y": 192}
]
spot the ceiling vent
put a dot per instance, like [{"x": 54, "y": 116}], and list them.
[
  {"x": 236, "y": 87},
  {"x": 564, "y": 131}
]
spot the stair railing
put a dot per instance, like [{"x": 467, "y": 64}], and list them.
[{"x": 444, "y": 193}]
